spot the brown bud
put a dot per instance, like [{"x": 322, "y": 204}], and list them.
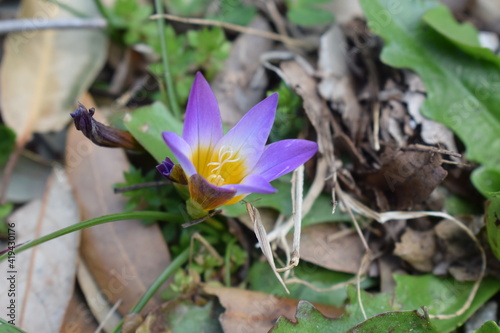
[{"x": 101, "y": 134}]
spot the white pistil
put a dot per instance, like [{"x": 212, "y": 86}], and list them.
[{"x": 225, "y": 155}]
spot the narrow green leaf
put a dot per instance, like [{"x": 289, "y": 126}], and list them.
[
  {"x": 146, "y": 125},
  {"x": 7, "y": 143},
  {"x": 493, "y": 224},
  {"x": 92, "y": 222},
  {"x": 6, "y": 327},
  {"x": 462, "y": 82}
]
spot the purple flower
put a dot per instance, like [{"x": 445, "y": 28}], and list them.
[{"x": 223, "y": 169}]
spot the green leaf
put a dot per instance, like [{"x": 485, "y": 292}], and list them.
[
  {"x": 493, "y": 224},
  {"x": 457, "y": 205},
  {"x": 6, "y": 327},
  {"x": 488, "y": 327},
  {"x": 192, "y": 8},
  {"x": 461, "y": 79},
  {"x": 262, "y": 278},
  {"x": 307, "y": 315},
  {"x": 308, "y": 320},
  {"x": 442, "y": 20},
  {"x": 441, "y": 296},
  {"x": 396, "y": 321},
  {"x": 309, "y": 16},
  {"x": 7, "y": 143},
  {"x": 487, "y": 180},
  {"x": 146, "y": 125},
  {"x": 235, "y": 12},
  {"x": 465, "y": 35}
]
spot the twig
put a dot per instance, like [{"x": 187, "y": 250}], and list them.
[
  {"x": 362, "y": 268},
  {"x": 204, "y": 218},
  {"x": 234, "y": 27},
  {"x": 353, "y": 218},
  {"x": 420, "y": 147},
  {"x": 141, "y": 186},
  {"x": 376, "y": 126},
  {"x": 322, "y": 290},
  {"x": 22, "y": 25}
]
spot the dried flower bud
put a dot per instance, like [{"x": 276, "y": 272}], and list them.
[
  {"x": 101, "y": 134},
  {"x": 172, "y": 171}
]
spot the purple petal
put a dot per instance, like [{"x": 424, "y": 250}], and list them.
[
  {"x": 165, "y": 168},
  {"x": 250, "y": 134},
  {"x": 252, "y": 184},
  {"x": 282, "y": 157},
  {"x": 203, "y": 124},
  {"x": 181, "y": 150},
  {"x": 172, "y": 171},
  {"x": 207, "y": 195}
]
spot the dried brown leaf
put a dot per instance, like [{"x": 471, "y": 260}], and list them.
[
  {"x": 251, "y": 311},
  {"x": 78, "y": 318},
  {"x": 320, "y": 246},
  {"x": 44, "y": 72},
  {"x": 405, "y": 178},
  {"x": 43, "y": 276},
  {"x": 418, "y": 249},
  {"x": 243, "y": 82}
]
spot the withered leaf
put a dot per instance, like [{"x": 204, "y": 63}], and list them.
[
  {"x": 404, "y": 179},
  {"x": 252, "y": 311}
]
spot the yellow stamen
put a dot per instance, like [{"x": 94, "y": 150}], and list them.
[{"x": 221, "y": 167}]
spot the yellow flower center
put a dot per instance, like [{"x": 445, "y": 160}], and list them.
[{"x": 221, "y": 167}]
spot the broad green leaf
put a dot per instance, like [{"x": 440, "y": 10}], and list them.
[
  {"x": 146, "y": 125},
  {"x": 441, "y": 296},
  {"x": 465, "y": 35},
  {"x": 235, "y": 12},
  {"x": 261, "y": 278},
  {"x": 309, "y": 16},
  {"x": 462, "y": 82},
  {"x": 397, "y": 322},
  {"x": 307, "y": 315},
  {"x": 442, "y": 20},
  {"x": 487, "y": 180},
  {"x": 181, "y": 315},
  {"x": 493, "y": 224},
  {"x": 44, "y": 72},
  {"x": 457, "y": 205},
  {"x": 308, "y": 320},
  {"x": 489, "y": 327}
]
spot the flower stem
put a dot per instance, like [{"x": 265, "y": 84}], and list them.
[
  {"x": 172, "y": 98},
  {"x": 92, "y": 222},
  {"x": 160, "y": 280}
]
